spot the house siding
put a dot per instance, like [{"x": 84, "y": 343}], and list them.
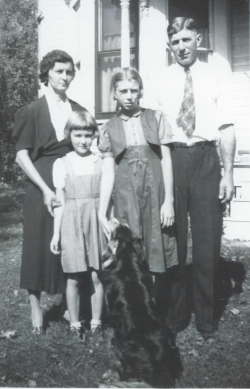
[
  {"x": 58, "y": 28},
  {"x": 241, "y": 104}
]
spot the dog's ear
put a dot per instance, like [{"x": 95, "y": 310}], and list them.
[
  {"x": 124, "y": 233},
  {"x": 119, "y": 230},
  {"x": 139, "y": 249}
]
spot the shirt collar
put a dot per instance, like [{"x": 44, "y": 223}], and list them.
[
  {"x": 125, "y": 117},
  {"x": 192, "y": 68}
]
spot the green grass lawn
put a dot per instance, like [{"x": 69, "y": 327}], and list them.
[{"x": 56, "y": 360}]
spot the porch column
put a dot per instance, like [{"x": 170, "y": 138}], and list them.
[
  {"x": 144, "y": 31},
  {"x": 152, "y": 35},
  {"x": 87, "y": 72},
  {"x": 125, "y": 34},
  {"x": 221, "y": 19}
]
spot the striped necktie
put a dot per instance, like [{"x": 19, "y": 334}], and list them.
[{"x": 186, "y": 117}]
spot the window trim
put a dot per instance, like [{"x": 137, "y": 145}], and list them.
[
  {"x": 99, "y": 53},
  {"x": 98, "y": 114}
]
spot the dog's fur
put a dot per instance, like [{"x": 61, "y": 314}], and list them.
[{"x": 144, "y": 344}]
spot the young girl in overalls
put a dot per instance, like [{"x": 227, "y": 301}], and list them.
[
  {"x": 137, "y": 140},
  {"x": 77, "y": 179}
]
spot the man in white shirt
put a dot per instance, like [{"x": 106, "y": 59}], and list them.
[{"x": 196, "y": 101}]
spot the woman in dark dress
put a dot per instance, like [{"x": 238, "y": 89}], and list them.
[{"x": 39, "y": 138}]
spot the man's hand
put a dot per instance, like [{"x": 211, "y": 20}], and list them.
[
  {"x": 227, "y": 147},
  {"x": 226, "y": 188},
  {"x": 167, "y": 214}
]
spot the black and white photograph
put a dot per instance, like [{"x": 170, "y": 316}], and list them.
[{"x": 125, "y": 194}]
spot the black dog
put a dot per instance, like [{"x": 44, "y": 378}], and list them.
[{"x": 144, "y": 344}]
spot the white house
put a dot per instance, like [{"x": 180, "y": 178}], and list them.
[{"x": 102, "y": 35}]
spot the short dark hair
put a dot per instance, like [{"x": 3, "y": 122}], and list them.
[
  {"x": 80, "y": 120},
  {"x": 181, "y": 23},
  {"x": 127, "y": 73},
  {"x": 49, "y": 60}
]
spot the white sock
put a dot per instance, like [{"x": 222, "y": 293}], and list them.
[
  {"x": 95, "y": 323},
  {"x": 77, "y": 325}
]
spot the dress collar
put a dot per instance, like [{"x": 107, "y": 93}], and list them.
[
  {"x": 74, "y": 155},
  {"x": 125, "y": 117},
  {"x": 51, "y": 99}
]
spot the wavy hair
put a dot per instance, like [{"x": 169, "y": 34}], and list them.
[
  {"x": 181, "y": 23},
  {"x": 49, "y": 60}
]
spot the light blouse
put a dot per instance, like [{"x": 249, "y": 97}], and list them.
[{"x": 81, "y": 166}]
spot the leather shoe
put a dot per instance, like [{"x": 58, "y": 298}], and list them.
[{"x": 207, "y": 335}]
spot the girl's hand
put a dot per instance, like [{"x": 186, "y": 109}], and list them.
[
  {"x": 50, "y": 200},
  {"x": 54, "y": 244},
  {"x": 105, "y": 225},
  {"x": 167, "y": 214}
]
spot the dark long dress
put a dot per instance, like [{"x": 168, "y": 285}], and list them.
[
  {"x": 139, "y": 190},
  {"x": 41, "y": 270}
]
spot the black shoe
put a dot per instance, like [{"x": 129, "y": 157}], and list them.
[
  {"x": 209, "y": 335},
  {"x": 96, "y": 333},
  {"x": 75, "y": 333}
]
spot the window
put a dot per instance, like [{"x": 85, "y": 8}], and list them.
[
  {"x": 108, "y": 42},
  {"x": 240, "y": 42}
]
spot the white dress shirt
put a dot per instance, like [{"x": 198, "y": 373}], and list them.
[{"x": 212, "y": 95}]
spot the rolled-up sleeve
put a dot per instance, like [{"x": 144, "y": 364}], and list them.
[
  {"x": 59, "y": 174},
  {"x": 104, "y": 144},
  {"x": 224, "y": 102},
  {"x": 165, "y": 132}
]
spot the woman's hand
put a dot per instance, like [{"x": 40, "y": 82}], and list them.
[
  {"x": 49, "y": 197},
  {"x": 105, "y": 225},
  {"x": 54, "y": 244},
  {"x": 51, "y": 201},
  {"x": 167, "y": 214}
]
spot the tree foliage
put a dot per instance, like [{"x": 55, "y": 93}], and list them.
[{"x": 18, "y": 73}]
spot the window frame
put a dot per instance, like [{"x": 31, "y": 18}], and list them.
[{"x": 101, "y": 53}]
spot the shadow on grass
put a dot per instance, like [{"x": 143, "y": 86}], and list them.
[
  {"x": 55, "y": 313},
  {"x": 231, "y": 276}
]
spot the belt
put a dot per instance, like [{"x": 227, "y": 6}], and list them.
[{"x": 195, "y": 144}]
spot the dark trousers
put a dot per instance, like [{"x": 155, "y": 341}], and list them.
[{"x": 196, "y": 189}]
